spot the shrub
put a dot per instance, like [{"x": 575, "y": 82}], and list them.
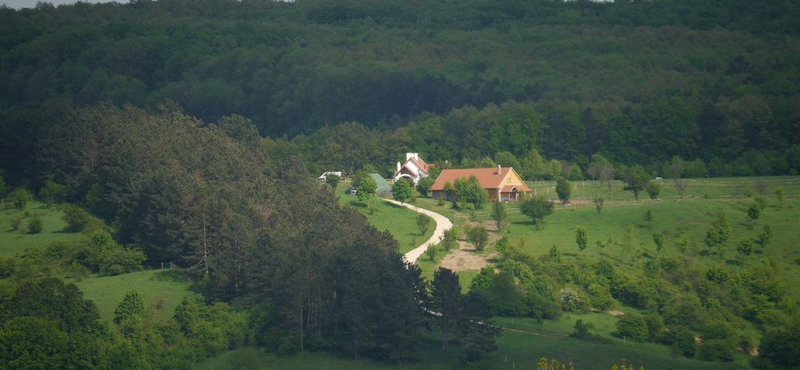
[
  {"x": 536, "y": 209},
  {"x": 52, "y": 193},
  {"x": 78, "y": 219},
  {"x": 717, "y": 350},
  {"x": 478, "y": 236},
  {"x": 581, "y": 330},
  {"x": 121, "y": 260},
  {"x": 632, "y": 327},
  {"x": 423, "y": 223},
  {"x": 761, "y": 201},
  {"x": 35, "y": 226},
  {"x": 753, "y": 211},
  {"x": 581, "y": 237},
  {"x": 685, "y": 344},
  {"x": 15, "y": 222},
  {"x": 20, "y": 197},
  {"x": 653, "y": 189},
  {"x": 598, "y": 204}
]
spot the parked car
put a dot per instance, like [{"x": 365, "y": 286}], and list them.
[{"x": 352, "y": 191}]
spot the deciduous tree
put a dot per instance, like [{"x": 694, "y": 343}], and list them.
[
  {"x": 563, "y": 190},
  {"x": 478, "y": 236},
  {"x": 636, "y": 178},
  {"x": 366, "y": 189},
  {"x": 536, "y": 209},
  {"x": 499, "y": 214},
  {"x": 581, "y": 237},
  {"x": 401, "y": 191}
]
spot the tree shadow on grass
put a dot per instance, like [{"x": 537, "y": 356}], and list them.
[{"x": 356, "y": 204}]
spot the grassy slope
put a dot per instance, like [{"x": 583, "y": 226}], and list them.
[
  {"x": 401, "y": 222},
  {"x": 158, "y": 288},
  {"x": 14, "y": 241},
  {"x": 699, "y": 188},
  {"x": 105, "y": 291},
  {"x": 520, "y": 350},
  {"x": 524, "y": 347},
  {"x": 674, "y": 218}
]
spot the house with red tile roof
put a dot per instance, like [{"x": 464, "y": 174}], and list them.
[
  {"x": 501, "y": 183},
  {"x": 414, "y": 168}
]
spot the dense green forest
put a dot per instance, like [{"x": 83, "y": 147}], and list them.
[{"x": 636, "y": 81}]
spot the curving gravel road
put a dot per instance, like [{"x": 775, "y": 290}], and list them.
[{"x": 442, "y": 224}]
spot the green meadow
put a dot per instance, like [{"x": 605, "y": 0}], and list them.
[
  {"x": 401, "y": 222},
  {"x": 724, "y": 187},
  {"x": 520, "y": 347},
  {"x": 13, "y": 242},
  {"x": 161, "y": 291}
]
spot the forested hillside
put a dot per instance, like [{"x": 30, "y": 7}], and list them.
[
  {"x": 636, "y": 81},
  {"x": 250, "y": 227}
]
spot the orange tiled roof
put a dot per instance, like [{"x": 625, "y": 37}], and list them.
[
  {"x": 421, "y": 163},
  {"x": 487, "y": 177}
]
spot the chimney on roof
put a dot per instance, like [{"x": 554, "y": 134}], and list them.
[{"x": 498, "y": 170}]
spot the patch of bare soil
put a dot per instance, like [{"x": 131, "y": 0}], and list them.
[
  {"x": 616, "y": 313},
  {"x": 466, "y": 259}
]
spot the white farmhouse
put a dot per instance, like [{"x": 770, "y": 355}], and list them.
[{"x": 414, "y": 168}]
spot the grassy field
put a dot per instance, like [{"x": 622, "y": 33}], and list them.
[
  {"x": 519, "y": 349},
  {"x": 726, "y": 187},
  {"x": 162, "y": 291},
  {"x": 13, "y": 242},
  {"x": 401, "y": 222},
  {"x": 621, "y": 220},
  {"x": 689, "y": 217}
]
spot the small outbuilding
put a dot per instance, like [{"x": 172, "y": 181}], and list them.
[{"x": 384, "y": 189}]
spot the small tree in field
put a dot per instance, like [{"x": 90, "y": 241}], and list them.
[
  {"x": 478, "y": 236},
  {"x": 366, "y": 189},
  {"x": 658, "y": 239},
  {"x": 648, "y": 216},
  {"x": 563, "y": 190},
  {"x": 760, "y": 186},
  {"x": 499, "y": 214},
  {"x": 424, "y": 185},
  {"x": 764, "y": 237},
  {"x": 753, "y": 212},
  {"x": 718, "y": 233},
  {"x": 423, "y": 222},
  {"x": 653, "y": 189},
  {"x": 36, "y": 226},
  {"x": 20, "y": 197},
  {"x": 636, "y": 179},
  {"x": 450, "y": 239},
  {"x": 401, "y": 191},
  {"x": 779, "y": 196},
  {"x": 431, "y": 252},
  {"x": 536, "y": 209},
  {"x": 581, "y": 238},
  {"x": 680, "y": 186},
  {"x": 598, "y": 204}
]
